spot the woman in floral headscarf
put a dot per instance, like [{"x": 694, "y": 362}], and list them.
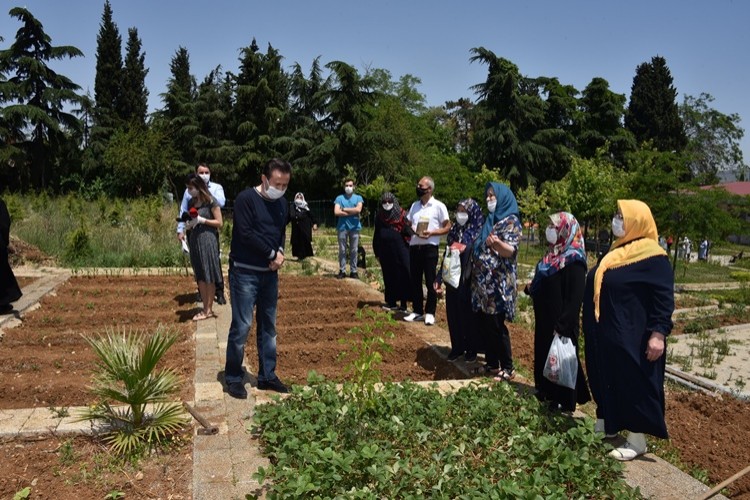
[
  {"x": 390, "y": 244},
  {"x": 494, "y": 277},
  {"x": 557, "y": 293},
  {"x": 627, "y": 315},
  {"x": 462, "y": 320}
]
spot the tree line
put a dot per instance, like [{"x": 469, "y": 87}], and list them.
[{"x": 331, "y": 120}]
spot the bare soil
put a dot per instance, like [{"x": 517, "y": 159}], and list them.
[{"x": 46, "y": 363}]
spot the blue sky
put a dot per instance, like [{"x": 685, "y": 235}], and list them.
[{"x": 706, "y": 44}]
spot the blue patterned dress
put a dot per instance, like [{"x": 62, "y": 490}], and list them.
[{"x": 493, "y": 284}]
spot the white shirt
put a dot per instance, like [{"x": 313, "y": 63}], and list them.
[
  {"x": 216, "y": 190},
  {"x": 434, "y": 212}
]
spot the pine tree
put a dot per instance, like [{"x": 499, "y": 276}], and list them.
[
  {"x": 32, "y": 100},
  {"x": 133, "y": 105},
  {"x": 652, "y": 114},
  {"x": 601, "y": 122},
  {"x": 109, "y": 71},
  {"x": 178, "y": 114}
]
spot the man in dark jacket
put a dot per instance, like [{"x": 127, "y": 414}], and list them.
[{"x": 257, "y": 253}]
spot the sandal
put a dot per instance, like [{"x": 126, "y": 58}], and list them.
[
  {"x": 201, "y": 316},
  {"x": 485, "y": 370},
  {"x": 505, "y": 375}
]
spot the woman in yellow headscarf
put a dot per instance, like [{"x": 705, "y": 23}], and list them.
[{"x": 627, "y": 314}]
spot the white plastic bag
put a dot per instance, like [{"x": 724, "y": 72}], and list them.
[
  {"x": 561, "y": 367},
  {"x": 452, "y": 267}
]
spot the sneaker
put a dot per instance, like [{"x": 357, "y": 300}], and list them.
[
  {"x": 272, "y": 385},
  {"x": 221, "y": 300},
  {"x": 627, "y": 452},
  {"x": 341, "y": 275},
  {"x": 429, "y": 319},
  {"x": 413, "y": 317},
  {"x": 354, "y": 275},
  {"x": 237, "y": 390},
  {"x": 453, "y": 356}
]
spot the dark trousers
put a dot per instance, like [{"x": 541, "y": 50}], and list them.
[
  {"x": 498, "y": 353},
  {"x": 462, "y": 320},
  {"x": 423, "y": 261}
]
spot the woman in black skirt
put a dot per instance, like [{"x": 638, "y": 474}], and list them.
[{"x": 303, "y": 224}]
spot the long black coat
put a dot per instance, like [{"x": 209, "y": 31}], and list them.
[
  {"x": 635, "y": 300},
  {"x": 392, "y": 251},
  {"x": 557, "y": 307},
  {"x": 302, "y": 222},
  {"x": 9, "y": 289}
]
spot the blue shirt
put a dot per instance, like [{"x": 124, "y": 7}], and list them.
[{"x": 350, "y": 222}]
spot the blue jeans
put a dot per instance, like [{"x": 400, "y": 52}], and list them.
[
  {"x": 252, "y": 289},
  {"x": 353, "y": 239}
]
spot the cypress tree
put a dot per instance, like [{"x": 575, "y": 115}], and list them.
[
  {"x": 652, "y": 114},
  {"x": 134, "y": 99},
  {"x": 109, "y": 70}
]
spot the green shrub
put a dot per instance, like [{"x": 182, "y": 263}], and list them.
[{"x": 77, "y": 246}]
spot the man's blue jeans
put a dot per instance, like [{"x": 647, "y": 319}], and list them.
[
  {"x": 252, "y": 289},
  {"x": 352, "y": 237}
]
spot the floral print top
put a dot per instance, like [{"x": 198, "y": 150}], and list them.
[{"x": 493, "y": 284}]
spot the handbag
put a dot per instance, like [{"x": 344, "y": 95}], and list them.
[
  {"x": 561, "y": 367},
  {"x": 452, "y": 267}
]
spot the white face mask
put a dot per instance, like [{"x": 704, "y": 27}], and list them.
[
  {"x": 551, "y": 234},
  {"x": 274, "y": 193},
  {"x": 491, "y": 205},
  {"x": 299, "y": 202},
  {"x": 462, "y": 218},
  {"x": 617, "y": 227},
  {"x": 348, "y": 189},
  {"x": 192, "y": 192},
  {"x": 205, "y": 177},
  {"x": 387, "y": 207}
]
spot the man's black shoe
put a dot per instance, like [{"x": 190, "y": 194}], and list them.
[
  {"x": 221, "y": 300},
  {"x": 237, "y": 390},
  {"x": 354, "y": 275},
  {"x": 272, "y": 385},
  {"x": 341, "y": 275}
]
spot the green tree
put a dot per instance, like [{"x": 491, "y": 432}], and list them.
[
  {"x": 600, "y": 122},
  {"x": 512, "y": 135},
  {"x": 140, "y": 161},
  {"x": 178, "y": 115},
  {"x": 261, "y": 109},
  {"x": 133, "y": 102},
  {"x": 713, "y": 139},
  {"x": 652, "y": 114},
  {"x": 33, "y": 98},
  {"x": 109, "y": 71}
]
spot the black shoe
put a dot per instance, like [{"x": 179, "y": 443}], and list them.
[
  {"x": 237, "y": 390},
  {"x": 453, "y": 356},
  {"x": 272, "y": 385},
  {"x": 341, "y": 275},
  {"x": 470, "y": 357},
  {"x": 221, "y": 300},
  {"x": 354, "y": 275}
]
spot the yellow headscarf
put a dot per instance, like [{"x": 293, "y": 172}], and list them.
[{"x": 640, "y": 241}]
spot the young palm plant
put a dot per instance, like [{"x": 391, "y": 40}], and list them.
[{"x": 135, "y": 401}]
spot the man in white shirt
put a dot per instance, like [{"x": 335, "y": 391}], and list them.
[
  {"x": 430, "y": 221},
  {"x": 217, "y": 191}
]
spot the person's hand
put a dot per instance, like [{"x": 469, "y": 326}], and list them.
[
  {"x": 491, "y": 241},
  {"x": 655, "y": 347},
  {"x": 181, "y": 236},
  {"x": 200, "y": 220},
  {"x": 277, "y": 262},
  {"x": 438, "y": 288},
  {"x": 191, "y": 223}
]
